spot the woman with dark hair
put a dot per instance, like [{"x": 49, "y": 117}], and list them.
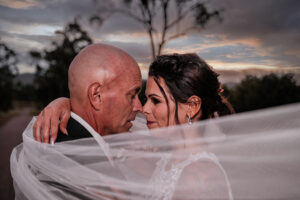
[{"x": 182, "y": 88}]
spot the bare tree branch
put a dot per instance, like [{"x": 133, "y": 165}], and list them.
[
  {"x": 165, "y": 25},
  {"x": 179, "y": 18},
  {"x": 145, "y": 13},
  {"x": 129, "y": 14},
  {"x": 183, "y": 33}
]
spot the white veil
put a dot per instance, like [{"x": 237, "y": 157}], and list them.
[{"x": 252, "y": 155}]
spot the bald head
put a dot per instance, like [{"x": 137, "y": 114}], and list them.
[
  {"x": 97, "y": 63},
  {"x": 104, "y": 82}
]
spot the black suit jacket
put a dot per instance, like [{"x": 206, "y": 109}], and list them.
[{"x": 75, "y": 131}]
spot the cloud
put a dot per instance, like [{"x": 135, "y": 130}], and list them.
[
  {"x": 274, "y": 24},
  {"x": 140, "y": 52},
  {"x": 54, "y": 12},
  {"x": 235, "y": 76},
  {"x": 19, "y": 4},
  {"x": 253, "y": 34}
]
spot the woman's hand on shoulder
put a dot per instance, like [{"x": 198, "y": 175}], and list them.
[{"x": 45, "y": 128}]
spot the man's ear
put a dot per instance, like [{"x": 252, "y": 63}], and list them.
[
  {"x": 194, "y": 105},
  {"x": 94, "y": 94}
]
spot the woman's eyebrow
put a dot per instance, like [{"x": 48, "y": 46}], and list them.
[{"x": 154, "y": 95}]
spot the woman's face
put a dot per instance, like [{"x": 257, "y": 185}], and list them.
[{"x": 156, "y": 108}]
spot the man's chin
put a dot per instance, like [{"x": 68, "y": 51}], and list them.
[{"x": 126, "y": 127}]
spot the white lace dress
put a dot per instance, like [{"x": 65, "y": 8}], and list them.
[{"x": 164, "y": 181}]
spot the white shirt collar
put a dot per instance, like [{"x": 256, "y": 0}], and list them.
[{"x": 96, "y": 135}]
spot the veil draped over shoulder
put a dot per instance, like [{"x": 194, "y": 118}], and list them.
[{"x": 252, "y": 155}]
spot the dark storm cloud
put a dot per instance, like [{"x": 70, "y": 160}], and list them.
[
  {"x": 27, "y": 39},
  {"x": 119, "y": 24},
  {"x": 64, "y": 11},
  {"x": 140, "y": 52},
  {"x": 243, "y": 18},
  {"x": 59, "y": 13},
  {"x": 48, "y": 12},
  {"x": 275, "y": 23}
]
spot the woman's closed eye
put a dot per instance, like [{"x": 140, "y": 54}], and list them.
[{"x": 155, "y": 101}]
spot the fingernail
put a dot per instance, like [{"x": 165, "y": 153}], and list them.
[
  {"x": 66, "y": 131},
  {"x": 52, "y": 141}
]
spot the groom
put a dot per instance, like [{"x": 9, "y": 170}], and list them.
[{"x": 104, "y": 83}]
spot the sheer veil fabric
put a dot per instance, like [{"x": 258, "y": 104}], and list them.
[{"x": 252, "y": 155}]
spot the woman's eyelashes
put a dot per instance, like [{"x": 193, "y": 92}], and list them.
[{"x": 155, "y": 100}]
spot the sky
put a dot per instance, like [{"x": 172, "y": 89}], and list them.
[{"x": 254, "y": 37}]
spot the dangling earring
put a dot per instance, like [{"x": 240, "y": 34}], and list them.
[{"x": 189, "y": 120}]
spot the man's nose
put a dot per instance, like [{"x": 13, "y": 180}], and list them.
[{"x": 137, "y": 106}]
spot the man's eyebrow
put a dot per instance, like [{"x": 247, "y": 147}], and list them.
[
  {"x": 135, "y": 90},
  {"x": 138, "y": 89}
]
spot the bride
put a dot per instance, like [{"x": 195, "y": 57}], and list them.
[{"x": 175, "y": 162}]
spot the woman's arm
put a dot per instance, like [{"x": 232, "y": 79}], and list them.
[{"x": 48, "y": 120}]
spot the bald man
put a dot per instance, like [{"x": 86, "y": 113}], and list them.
[{"x": 104, "y": 83}]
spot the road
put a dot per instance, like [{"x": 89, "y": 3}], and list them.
[{"x": 11, "y": 136}]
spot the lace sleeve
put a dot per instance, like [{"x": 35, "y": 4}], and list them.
[{"x": 202, "y": 177}]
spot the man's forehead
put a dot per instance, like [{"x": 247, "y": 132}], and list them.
[
  {"x": 134, "y": 85},
  {"x": 133, "y": 76},
  {"x": 135, "y": 89},
  {"x": 126, "y": 82}
]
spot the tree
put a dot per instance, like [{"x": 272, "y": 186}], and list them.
[
  {"x": 23, "y": 93},
  {"x": 270, "y": 90},
  {"x": 8, "y": 70},
  {"x": 151, "y": 13},
  {"x": 51, "y": 77}
]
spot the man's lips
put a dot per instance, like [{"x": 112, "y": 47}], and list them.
[
  {"x": 129, "y": 120},
  {"x": 150, "y": 122}
]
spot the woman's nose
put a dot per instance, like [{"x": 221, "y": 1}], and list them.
[{"x": 146, "y": 109}]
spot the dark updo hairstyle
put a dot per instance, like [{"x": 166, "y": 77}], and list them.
[{"x": 186, "y": 75}]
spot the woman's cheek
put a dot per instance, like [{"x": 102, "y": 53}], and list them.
[{"x": 161, "y": 115}]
